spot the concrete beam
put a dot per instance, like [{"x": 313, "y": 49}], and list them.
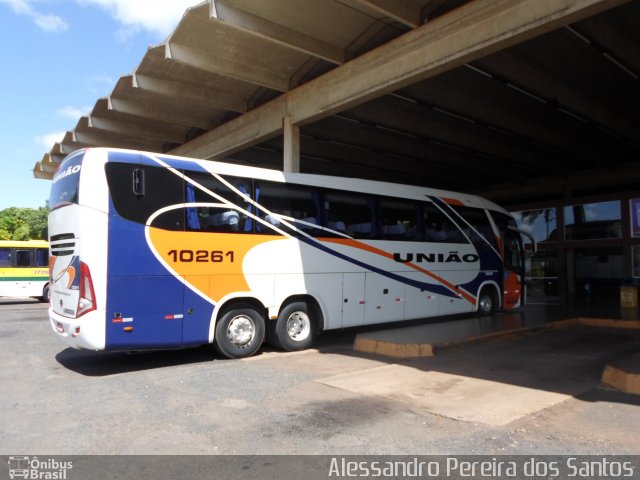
[
  {"x": 70, "y": 143},
  {"x": 495, "y": 104},
  {"x": 47, "y": 167},
  {"x": 448, "y": 130},
  {"x": 228, "y": 68},
  {"x": 49, "y": 163},
  {"x": 579, "y": 99},
  {"x": 100, "y": 138},
  {"x": 192, "y": 93},
  {"x": 429, "y": 155},
  {"x": 403, "y": 11},
  {"x": 155, "y": 112},
  {"x": 142, "y": 129},
  {"x": 291, "y": 157},
  {"x": 277, "y": 33},
  {"x": 470, "y": 32},
  {"x": 628, "y": 174}
]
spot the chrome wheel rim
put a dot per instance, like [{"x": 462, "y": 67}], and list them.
[
  {"x": 298, "y": 326},
  {"x": 241, "y": 331},
  {"x": 486, "y": 304}
]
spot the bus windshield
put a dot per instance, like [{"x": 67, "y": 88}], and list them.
[{"x": 64, "y": 189}]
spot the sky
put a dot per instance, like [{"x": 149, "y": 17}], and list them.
[{"x": 57, "y": 58}]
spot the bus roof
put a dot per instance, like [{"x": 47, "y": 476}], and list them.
[{"x": 24, "y": 244}]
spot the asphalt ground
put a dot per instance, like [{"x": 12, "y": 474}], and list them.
[{"x": 528, "y": 393}]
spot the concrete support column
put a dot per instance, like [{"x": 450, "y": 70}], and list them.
[{"x": 291, "y": 153}]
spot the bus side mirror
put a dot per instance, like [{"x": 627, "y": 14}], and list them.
[{"x": 138, "y": 182}]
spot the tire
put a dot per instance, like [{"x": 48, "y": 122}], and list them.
[
  {"x": 239, "y": 332},
  {"x": 46, "y": 294},
  {"x": 487, "y": 302},
  {"x": 294, "y": 329}
]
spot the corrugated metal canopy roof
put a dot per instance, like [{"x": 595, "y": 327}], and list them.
[{"x": 541, "y": 114}]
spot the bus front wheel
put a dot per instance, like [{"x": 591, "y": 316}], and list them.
[
  {"x": 239, "y": 332},
  {"x": 487, "y": 301},
  {"x": 46, "y": 295},
  {"x": 294, "y": 329}
]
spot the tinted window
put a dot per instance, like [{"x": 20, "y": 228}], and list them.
[
  {"x": 438, "y": 227},
  {"x": 291, "y": 202},
  {"x": 66, "y": 182},
  {"x": 477, "y": 218},
  {"x": 41, "y": 257},
  {"x": 23, "y": 258},
  {"x": 503, "y": 222},
  {"x": 5, "y": 257},
  {"x": 351, "y": 213},
  {"x": 162, "y": 188},
  {"x": 399, "y": 220},
  {"x": 210, "y": 213}
]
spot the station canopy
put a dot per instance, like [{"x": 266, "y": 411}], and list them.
[{"x": 518, "y": 100}]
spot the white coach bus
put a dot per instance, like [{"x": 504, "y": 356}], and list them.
[{"x": 154, "y": 251}]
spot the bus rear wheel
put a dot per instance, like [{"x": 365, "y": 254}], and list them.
[
  {"x": 294, "y": 329},
  {"x": 239, "y": 332}
]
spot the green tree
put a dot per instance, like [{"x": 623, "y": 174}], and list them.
[{"x": 24, "y": 223}]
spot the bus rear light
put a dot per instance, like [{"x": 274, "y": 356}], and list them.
[{"x": 87, "y": 301}]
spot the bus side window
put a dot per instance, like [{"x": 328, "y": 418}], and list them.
[
  {"x": 210, "y": 213},
  {"x": 222, "y": 220},
  {"x": 297, "y": 202},
  {"x": 351, "y": 213},
  {"x": 42, "y": 257},
  {"x": 23, "y": 258},
  {"x": 438, "y": 227},
  {"x": 477, "y": 218},
  {"x": 399, "y": 220},
  {"x": 5, "y": 257},
  {"x": 162, "y": 188}
]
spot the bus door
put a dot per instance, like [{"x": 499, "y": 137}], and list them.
[{"x": 514, "y": 273}]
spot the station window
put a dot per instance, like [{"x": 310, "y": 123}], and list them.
[
  {"x": 634, "y": 207},
  {"x": 593, "y": 221}
]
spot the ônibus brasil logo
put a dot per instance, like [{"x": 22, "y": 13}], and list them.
[{"x": 35, "y": 469}]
